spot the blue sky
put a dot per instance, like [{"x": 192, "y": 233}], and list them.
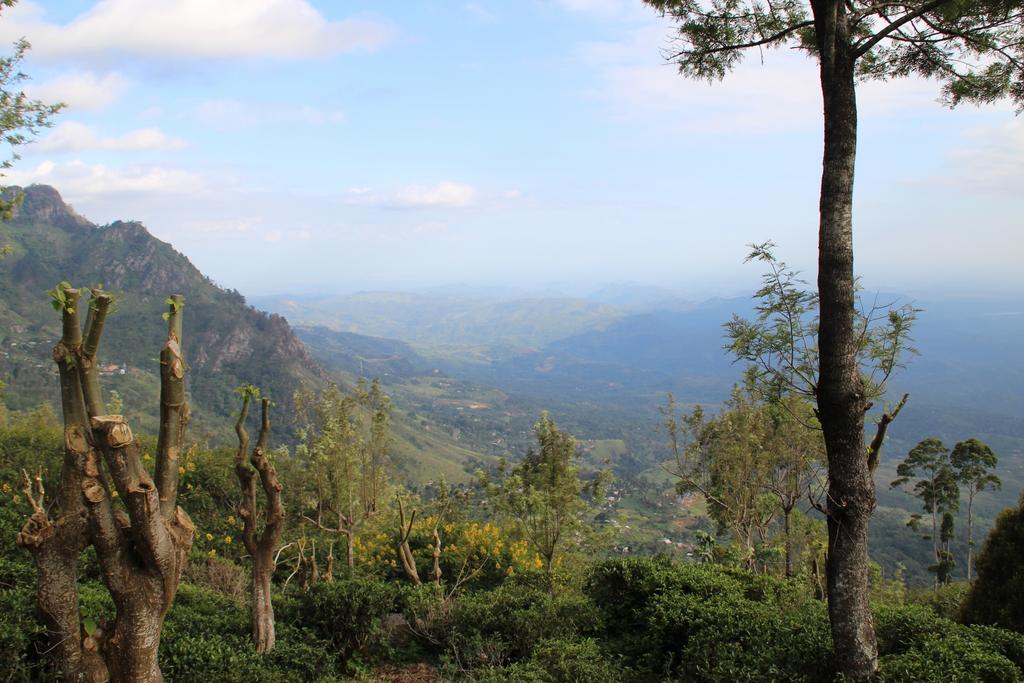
[{"x": 292, "y": 145}]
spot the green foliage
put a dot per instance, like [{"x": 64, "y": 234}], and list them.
[
  {"x": 505, "y": 625},
  {"x": 347, "y": 614},
  {"x": 935, "y": 483},
  {"x": 997, "y": 596},
  {"x": 565, "y": 660},
  {"x": 22, "y": 638},
  {"x": 946, "y": 601},
  {"x": 59, "y": 298},
  {"x": 780, "y": 345},
  {"x": 973, "y": 461},
  {"x": 207, "y": 637},
  {"x": 709, "y": 623},
  {"x": 915, "y": 644},
  {"x": 545, "y": 494},
  {"x": 20, "y": 117}
]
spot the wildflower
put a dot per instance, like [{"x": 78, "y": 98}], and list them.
[
  {"x": 17, "y": 498},
  {"x": 227, "y": 539},
  {"x": 191, "y": 466},
  {"x": 6, "y": 488},
  {"x": 231, "y": 520},
  {"x": 181, "y": 470},
  {"x": 209, "y": 536},
  {"x": 212, "y": 553},
  {"x": 145, "y": 456}
]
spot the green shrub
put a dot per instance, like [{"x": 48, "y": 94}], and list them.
[
  {"x": 22, "y": 639},
  {"x": 946, "y": 601},
  {"x": 997, "y": 596},
  {"x": 502, "y": 626},
  {"x": 916, "y": 644},
  {"x": 348, "y": 613},
  {"x": 576, "y": 661},
  {"x": 709, "y": 623}
]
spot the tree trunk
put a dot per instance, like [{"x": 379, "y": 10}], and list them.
[
  {"x": 131, "y": 649},
  {"x": 970, "y": 536},
  {"x": 141, "y": 549},
  {"x": 840, "y": 391},
  {"x": 788, "y": 541},
  {"x": 260, "y": 545},
  {"x": 263, "y": 630},
  {"x": 350, "y": 551}
]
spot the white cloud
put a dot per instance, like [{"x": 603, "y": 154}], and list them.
[
  {"x": 80, "y": 90},
  {"x": 194, "y": 29},
  {"x": 991, "y": 158},
  {"x": 444, "y": 194},
  {"x": 72, "y": 136},
  {"x": 233, "y": 114},
  {"x": 76, "y": 179},
  {"x": 772, "y": 91}
]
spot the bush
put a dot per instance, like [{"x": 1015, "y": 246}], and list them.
[
  {"x": 348, "y": 613},
  {"x": 700, "y": 622},
  {"x": 504, "y": 625},
  {"x": 569, "y": 661},
  {"x": 207, "y": 636},
  {"x": 22, "y": 639},
  {"x": 217, "y": 574},
  {"x": 946, "y": 601},
  {"x": 917, "y": 644},
  {"x": 997, "y": 596}
]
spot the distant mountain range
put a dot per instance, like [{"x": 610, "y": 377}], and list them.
[{"x": 966, "y": 380}]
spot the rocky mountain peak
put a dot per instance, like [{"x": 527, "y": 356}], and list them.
[{"x": 43, "y": 204}]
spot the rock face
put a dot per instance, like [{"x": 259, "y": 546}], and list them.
[{"x": 226, "y": 342}]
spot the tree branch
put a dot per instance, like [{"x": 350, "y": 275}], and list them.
[
  {"x": 863, "y": 48},
  {"x": 173, "y": 410}
]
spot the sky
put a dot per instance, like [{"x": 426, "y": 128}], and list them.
[{"x": 299, "y": 146}]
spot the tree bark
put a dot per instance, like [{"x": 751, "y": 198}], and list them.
[
  {"x": 840, "y": 392},
  {"x": 261, "y": 545},
  {"x": 788, "y": 541},
  {"x": 970, "y": 535},
  {"x": 264, "y": 633},
  {"x": 142, "y": 550}
]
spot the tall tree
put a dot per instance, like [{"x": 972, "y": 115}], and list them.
[
  {"x": 753, "y": 462},
  {"x": 976, "y": 49},
  {"x": 927, "y": 468},
  {"x": 142, "y": 549},
  {"x": 545, "y": 494},
  {"x": 973, "y": 462},
  {"x": 259, "y": 544},
  {"x": 347, "y": 445}
]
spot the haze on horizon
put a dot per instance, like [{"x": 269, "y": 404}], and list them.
[{"x": 302, "y": 146}]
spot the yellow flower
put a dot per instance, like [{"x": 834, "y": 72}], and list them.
[
  {"x": 113, "y": 494},
  {"x": 191, "y": 466},
  {"x": 209, "y": 536},
  {"x": 212, "y": 552},
  {"x": 17, "y": 498},
  {"x": 145, "y": 456},
  {"x": 181, "y": 470},
  {"x": 227, "y": 539},
  {"x": 231, "y": 520},
  {"x": 6, "y": 487}
]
